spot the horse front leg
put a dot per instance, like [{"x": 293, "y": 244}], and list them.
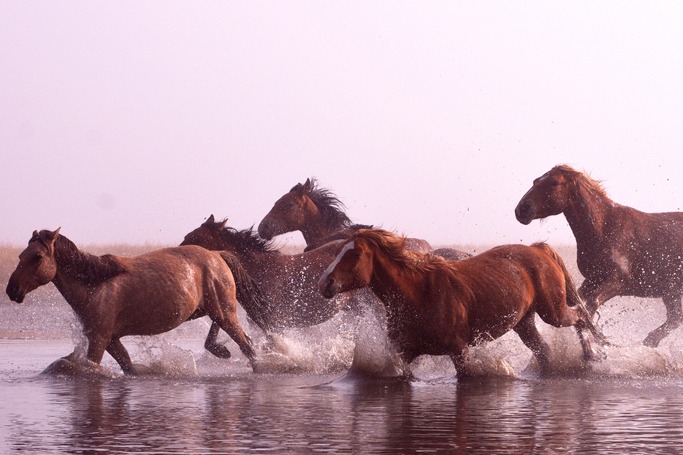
[
  {"x": 528, "y": 333},
  {"x": 595, "y": 293},
  {"x": 674, "y": 318}
]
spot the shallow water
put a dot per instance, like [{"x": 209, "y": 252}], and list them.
[{"x": 632, "y": 401}]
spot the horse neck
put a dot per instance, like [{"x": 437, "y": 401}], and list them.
[
  {"x": 587, "y": 215},
  {"x": 68, "y": 258},
  {"x": 393, "y": 283},
  {"x": 315, "y": 228}
]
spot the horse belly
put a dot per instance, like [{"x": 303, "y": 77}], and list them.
[{"x": 155, "y": 309}]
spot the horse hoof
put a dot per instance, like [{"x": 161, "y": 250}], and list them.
[
  {"x": 219, "y": 351},
  {"x": 650, "y": 342}
]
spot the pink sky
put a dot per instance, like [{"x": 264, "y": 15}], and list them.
[{"x": 133, "y": 121}]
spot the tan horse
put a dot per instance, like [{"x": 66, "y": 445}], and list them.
[
  {"x": 144, "y": 295},
  {"x": 440, "y": 307},
  {"x": 620, "y": 250}
]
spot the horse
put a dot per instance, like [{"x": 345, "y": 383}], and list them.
[
  {"x": 115, "y": 296},
  {"x": 318, "y": 214},
  {"x": 288, "y": 283},
  {"x": 621, "y": 251},
  {"x": 440, "y": 307}
]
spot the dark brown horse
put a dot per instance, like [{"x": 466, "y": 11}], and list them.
[
  {"x": 620, "y": 250},
  {"x": 149, "y": 294},
  {"x": 318, "y": 214},
  {"x": 440, "y": 307},
  {"x": 287, "y": 282}
]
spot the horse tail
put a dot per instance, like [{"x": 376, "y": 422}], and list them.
[
  {"x": 249, "y": 293},
  {"x": 571, "y": 292}
]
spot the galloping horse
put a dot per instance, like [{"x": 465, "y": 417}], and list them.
[
  {"x": 620, "y": 250},
  {"x": 318, "y": 214},
  {"x": 440, "y": 307},
  {"x": 149, "y": 294},
  {"x": 288, "y": 282}
]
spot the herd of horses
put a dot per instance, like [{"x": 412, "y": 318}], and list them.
[{"x": 437, "y": 302}]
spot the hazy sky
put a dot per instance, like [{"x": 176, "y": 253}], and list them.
[{"x": 133, "y": 121}]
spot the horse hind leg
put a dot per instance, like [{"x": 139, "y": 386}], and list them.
[
  {"x": 674, "y": 318},
  {"x": 528, "y": 333},
  {"x": 211, "y": 344}
]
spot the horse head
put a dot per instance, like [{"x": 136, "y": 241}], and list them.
[
  {"x": 351, "y": 269},
  {"x": 289, "y": 213},
  {"x": 37, "y": 265},
  {"x": 549, "y": 195},
  {"x": 208, "y": 235}
]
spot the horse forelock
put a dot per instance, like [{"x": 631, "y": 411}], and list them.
[
  {"x": 85, "y": 266},
  {"x": 332, "y": 210}
]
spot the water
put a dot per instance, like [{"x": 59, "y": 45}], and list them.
[{"x": 302, "y": 401}]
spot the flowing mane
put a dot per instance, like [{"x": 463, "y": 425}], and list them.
[
  {"x": 582, "y": 180},
  {"x": 86, "y": 267},
  {"x": 245, "y": 239},
  {"x": 331, "y": 208},
  {"x": 394, "y": 246}
]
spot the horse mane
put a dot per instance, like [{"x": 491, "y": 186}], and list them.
[
  {"x": 246, "y": 239},
  {"x": 332, "y": 210},
  {"x": 393, "y": 246},
  {"x": 86, "y": 267},
  {"x": 583, "y": 180}
]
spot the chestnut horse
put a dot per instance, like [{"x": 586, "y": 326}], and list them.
[
  {"x": 620, "y": 250},
  {"x": 440, "y": 307},
  {"x": 318, "y": 214},
  {"x": 287, "y": 282},
  {"x": 149, "y": 294}
]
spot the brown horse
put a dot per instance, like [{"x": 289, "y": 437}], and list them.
[
  {"x": 149, "y": 294},
  {"x": 440, "y": 307},
  {"x": 287, "y": 282},
  {"x": 318, "y": 214},
  {"x": 620, "y": 250}
]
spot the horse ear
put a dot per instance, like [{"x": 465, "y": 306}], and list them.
[
  {"x": 36, "y": 234},
  {"x": 210, "y": 219},
  {"x": 52, "y": 236},
  {"x": 223, "y": 223},
  {"x": 307, "y": 185}
]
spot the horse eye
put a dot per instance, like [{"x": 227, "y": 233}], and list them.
[
  {"x": 554, "y": 183},
  {"x": 38, "y": 257}
]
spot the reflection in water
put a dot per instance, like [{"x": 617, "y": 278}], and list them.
[
  {"x": 292, "y": 414},
  {"x": 630, "y": 402}
]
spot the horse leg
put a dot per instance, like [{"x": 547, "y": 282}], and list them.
[
  {"x": 578, "y": 316},
  {"x": 595, "y": 293},
  {"x": 231, "y": 326},
  {"x": 116, "y": 349},
  {"x": 458, "y": 360},
  {"x": 212, "y": 345},
  {"x": 674, "y": 318},
  {"x": 528, "y": 333}
]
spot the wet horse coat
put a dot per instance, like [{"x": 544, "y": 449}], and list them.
[
  {"x": 287, "y": 282},
  {"x": 440, "y": 307},
  {"x": 620, "y": 250},
  {"x": 117, "y": 296}
]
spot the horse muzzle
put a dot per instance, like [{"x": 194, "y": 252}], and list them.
[
  {"x": 15, "y": 293},
  {"x": 266, "y": 230},
  {"x": 328, "y": 287},
  {"x": 524, "y": 212}
]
